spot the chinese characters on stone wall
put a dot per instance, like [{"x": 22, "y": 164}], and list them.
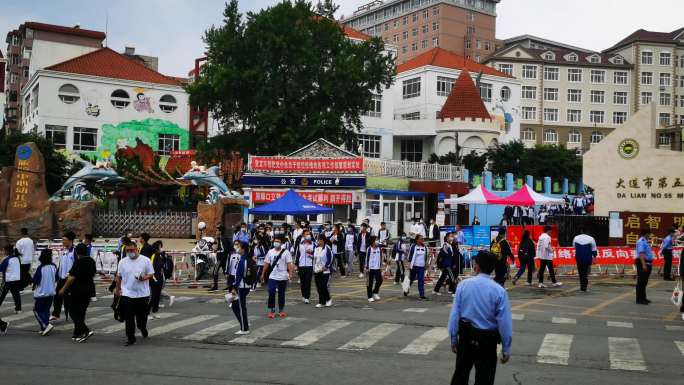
[
  {"x": 21, "y": 185},
  {"x": 660, "y": 187},
  {"x": 656, "y": 223}
]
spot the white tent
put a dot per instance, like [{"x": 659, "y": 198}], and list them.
[{"x": 479, "y": 196}]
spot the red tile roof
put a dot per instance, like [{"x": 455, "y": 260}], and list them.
[
  {"x": 354, "y": 34},
  {"x": 649, "y": 36},
  {"x": 439, "y": 57},
  {"x": 64, "y": 30},
  {"x": 464, "y": 101},
  {"x": 107, "y": 63}
]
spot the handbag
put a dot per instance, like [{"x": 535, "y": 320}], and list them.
[
  {"x": 677, "y": 294},
  {"x": 118, "y": 309}
]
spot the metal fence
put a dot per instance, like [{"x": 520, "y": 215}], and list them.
[
  {"x": 570, "y": 225},
  {"x": 419, "y": 170},
  {"x": 162, "y": 224}
]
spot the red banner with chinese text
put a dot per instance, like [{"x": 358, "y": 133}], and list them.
[
  {"x": 565, "y": 256},
  {"x": 278, "y": 164},
  {"x": 320, "y": 198}
]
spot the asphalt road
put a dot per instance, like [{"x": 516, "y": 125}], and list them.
[{"x": 561, "y": 337}]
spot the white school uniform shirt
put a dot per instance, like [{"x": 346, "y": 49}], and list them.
[
  {"x": 544, "y": 250},
  {"x": 26, "y": 249},
  {"x": 419, "y": 256},
  {"x": 129, "y": 269},
  {"x": 232, "y": 263},
  {"x": 305, "y": 260},
  {"x": 66, "y": 261},
  {"x": 383, "y": 236},
  {"x": 349, "y": 241},
  {"x": 278, "y": 272},
  {"x": 374, "y": 258},
  {"x": 320, "y": 256},
  {"x": 13, "y": 272},
  {"x": 259, "y": 256}
]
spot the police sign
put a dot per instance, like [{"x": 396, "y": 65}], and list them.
[{"x": 311, "y": 181}]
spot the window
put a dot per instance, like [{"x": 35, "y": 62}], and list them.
[
  {"x": 618, "y": 60},
  {"x": 414, "y": 46},
  {"x": 404, "y": 35},
  {"x": 594, "y": 59},
  {"x": 596, "y": 137},
  {"x": 529, "y": 72},
  {"x": 414, "y": 32},
  {"x": 665, "y": 59},
  {"x": 411, "y": 116},
  {"x": 620, "y": 98},
  {"x": 14, "y": 77},
  {"x": 411, "y": 88},
  {"x": 85, "y": 139},
  {"x": 486, "y": 92},
  {"x": 26, "y": 54},
  {"x": 396, "y": 23},
  {"x": 681, "y": 79},
  {"x": 395, "y": 38},
  {"x": 478, "y": 44},
  {"x": 551, "y": 73},
  {"x": 424, "y": 44},
  {"x": 551, "y": 94},
  {"x": 435, "y": 26},
  {"x": 665, "y": 80},
  {"x": 375, "y": 110},
  {"x": 435, "y": 42},
  {"x": 425, "y": 29},
  {"x": 550, "y": 136},
  {"x": 647, "y": 78},
  {"x": 29, "y": 33},
  {"x": 663, "y": 139},
  {"x": 665, "y": 99},
  {"x": 619, "y": 117},
  {"x": 467, "y": 43},
  {"x": 574, "y": 137},
  {"x": 506, "y": 68},
  {"x": 370, "y": 145},
  {"x": 529, "y": 113},
  {"x": 120, "y": 99},
  {"x": 505, "y": 93},
  {"x": 575, "y": 75},
  {"x": 34, "y": 98},
  {"x": 167, "y": 103},
  {"x": 56, "y": 135},
  {"x": 574, "y": 116},
  {"x": 572, "y": 57},
  {"x": 26, "y": 72},
  {"x": 646, "y": 97},
  {"x": 647, "y": 58},
  {"x": 620, "y": 77},
  {"x": 68, "y": 93},
  {"x": 404, "y": 21},
  {"x": 597, "y": 117},
  {"x": 598, "y": 76},
  {"x": 550, "y": 114},
  {"x": 528, "y": 134},
  {"x": 664, "y": 119},
  {"x": 168, "y": 143},
  {"x": 415, "y": 17},
  {"x": 487, "y": 46},
  {"x": 549, "y": 56},
  {"x": 681, "y": 101},
  {"x": 425, "y": 14},
  {"x": 444, "y": 85},
  {"x": 529, "y": 92},
  {"x": 435, "y": 11},
  {"x": 411, "y": 150},
  {"x": 387, "y": 26},
  {"x": 598, "y": 97},
  {"x": 404, "y": 49},
  {"x": 574, "y": 96}
]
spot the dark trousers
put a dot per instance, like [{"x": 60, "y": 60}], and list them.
[
  {"x": 272, "y": 286},
  {"x": 362, "y": 260},
  {"x": 136, "y": 315},
  {"x": 260, "y": 270},
  {"x": 543, "y": 265},
  {"x": 339, "y": 258},
  {"x": 13, "y": 287},
  {"x": 240, "y": 308},
  {"x": 59, "y": 300},
  {"x": 642, "y": 280},
  {"x": 667, "y": 267},
  {"x": 525, "y": 265},
  {"x": 305, "y": 276},
  {"x": 479, "y": 353},
  {"x": 220, "y": 265},
  {"x": 77, "y": 311},
  {"x": 400, "y": 271},
  {"x": 374, "y": 282},
  {"x": 41, "y": 309},
  {"x": 322, "y": 281},
  {"x": 155, "y": 296},
  {"x": 418, "y": 273},
  {"x": 500, "y": 271},
  {"x": 448, "y": 276},
  {"x": 25, "y": 269},
  {"x": 583, "y": 269}
]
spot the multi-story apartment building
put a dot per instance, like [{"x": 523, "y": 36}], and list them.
[
  {"x": 466, "y": 27},
  {"x": 569, "y": 96},
  {"x": 33, "y": 46}
]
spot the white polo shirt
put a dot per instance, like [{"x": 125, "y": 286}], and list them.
[
  {"x": 129, "y": 270},
  {"x": 26, "y": 249},
  {"x": 278, "y": 272}
]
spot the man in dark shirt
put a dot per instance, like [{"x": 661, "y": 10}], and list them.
[
  {"x": 81, "y": 288},
  {"x": 502, "y": 250},
  {"x": 146, "y": 249}
]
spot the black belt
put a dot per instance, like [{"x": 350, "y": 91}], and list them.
[{"x": 467, "y": 331}]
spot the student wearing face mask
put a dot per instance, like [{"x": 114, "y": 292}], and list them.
[
  {"x": 323, "y": 258},
  {"x": 304, "y": 260},
  {"x": 232, "y": 263},
  {"x": 66, "y": 260},
  {"x": 336, "y": 245},
  {"x": 363, "y": 242},
  {"x": 132, "y": 285},
  {"x": 259, "y": 253},
  {"x": 242, "y": 235},
  {"x": 241, "y": 289},
  {"x": 349, "y": 249},
  {"x": 278, "y": 269},
  {"x": 157, "y": 282},
  {"x": 222, "y": 245},
  {"x": 398, "y": 252},
  {"x": 447, "y": 262},
  {"x": 44, "y": 285},
  {"x": 81, "y": 288},
  {"x": 10, "y": 267},
  {"x": 418, "y": 255},
  {"x": 373, "y": 269}
]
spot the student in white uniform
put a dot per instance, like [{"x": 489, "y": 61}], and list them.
[
  {"x": 259, "y": 253},
  {"x": 278, "y": 269},
  {"x": 363, "y": 241},
  {"x": 349, "y": 248},
  {"x": 336, "y": 245},
  {"x": 418, "y": 256},
  {"x": 44, "y": 285},
  {"x": 10, "y": 267},
  {"x": 304, "y": 260},
  {"x": 66, "y": 261},
  {"x": 26, "y": 250},
  {"x": 241, "y": 289},
  {"x": 374, "y": 269},
  {"x": 232, "y": 262},
  {"x": 398, "y": 252},
  {"x": 323, "y": 258}
]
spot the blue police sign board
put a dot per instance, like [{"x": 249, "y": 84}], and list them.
[
  {"x": 24, "y": 152},
  {"x": 311, "y": 181}
]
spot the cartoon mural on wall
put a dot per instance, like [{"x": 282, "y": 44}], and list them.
[
  {"x": 142, "y": 103},
  {"x": 505, "y": 118},
  {"x": 93, "y": 110},
  {"x": 91, "y": 102}
]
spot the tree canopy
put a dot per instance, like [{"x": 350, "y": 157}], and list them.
[{"x": 288, "y": 75}]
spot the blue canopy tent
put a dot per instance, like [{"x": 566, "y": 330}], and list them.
[{"x": 290, "y": 204}]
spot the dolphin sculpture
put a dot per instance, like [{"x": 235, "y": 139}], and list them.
[
  {"x": 199, "y": 176},
  {"x": 100, "y": 172}
]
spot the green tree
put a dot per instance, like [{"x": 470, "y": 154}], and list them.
[
  {"x": 286, "y": 76},
  {"x": 506, "y": 157},
  {"x": 474, "y": 162},
  {"x": 539, "y": 161},
  {"x": 56, "y": 164}
]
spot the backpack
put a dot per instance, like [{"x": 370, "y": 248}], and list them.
[
  {"x": 250, "y": 276},
  {"x": 495, "y": 248},
  {"x": 168, "y": 267}
]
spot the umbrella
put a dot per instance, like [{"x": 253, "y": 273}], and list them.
[
  {"x": 291, "y": 204},
  {"x": 525, "y": 197},
  {"x": 479, "y": 196}
]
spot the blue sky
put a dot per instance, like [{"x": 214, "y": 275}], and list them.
[{"x": 172, "y": 29}]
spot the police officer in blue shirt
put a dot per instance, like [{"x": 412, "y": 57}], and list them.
[
  {"x": 480, "y": 319},
  {"x": 644, "y": 264}
]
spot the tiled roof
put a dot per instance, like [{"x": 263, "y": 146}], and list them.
[
  {"x": 464, "y": 101},
  {"x": 354, "y": 34},
  {"x": 440, "y": 57},
  {"x": 64, "y": 30},
  {"x": 582, "y": 57},
  {"x": 649, "y": 36},
  {"x": 107, "y": 63}
]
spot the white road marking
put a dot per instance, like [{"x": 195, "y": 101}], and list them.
[
  {"x": 674, "y": 328},
  {"x": 316, "y": 334},
  {"x": 616, "y": 324},
  {"x": 211, "y": 331},
  {"x": 370, "y": 337},
  {"x": 561, "y": 320},
  {"x": 415, "y": 310},
  {"x": 183, "y": 299},
  {"x": 518, "y": 317},
  {"x": 555, "y": 349},
  {"x": 265, "y": 331},
  {"x": 218, "y": 300},
  {"x": 680, "y": 346},
  {"x": 426, "y": 342},
  {"x": 625, "y": 354},
  {"x": 180, "y": 324},
  {"x": 119, "y": 326},
  {"x": 34, "y": 322}
]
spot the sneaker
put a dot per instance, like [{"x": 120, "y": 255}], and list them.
[
  {"x": 371, "y": 299},
  {"x": 541, "y": 286},
  {"x": 436, "y": 293},
  {"x": 394, "y": 283},
  {"x": 376, "y": 297},
  {"x": 3, "y": 327},
  {"x": 213, "y": 289},
  {"x": 47, "y": 329},
  {"x": 318, "y": 305},
  {"x": 258, "y": 285},
  {"x": 271, "y": 315},
  {"x": 74, "y": 339},
  {"x": 171, "y": 299},
  {"x": 305, "y": 300},
  {"x": 129, "y": 342},
  {"x": 93, "y": 299},
  {"x": 241, "y": 332},
  {"x": 161, "y": 305},
  {"x": 328, "y": 304},
  {"x": 54, "y": 319},
  {"x": 558, "y": 284},
  {"x": 361, "y": 275},
  {"x": 406, "y": 293},
  {"x": 423, "y": 298},
  {"x": 17, "y": 312},
  {"x": 528, "y": 283},
  {"x": 153, "y": 317},
  {"x": 144, "y": 333},
  {"x": 282, "y": 314},
  {"x": 85, "y": 337}
]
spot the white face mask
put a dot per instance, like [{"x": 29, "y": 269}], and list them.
[
  {"x": 131, "y": 255},
  {"x": 276, "y": 245},
  {"x": 236, "y": 248}
]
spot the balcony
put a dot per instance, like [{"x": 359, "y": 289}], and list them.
[{"x": 415, "y": 170}]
